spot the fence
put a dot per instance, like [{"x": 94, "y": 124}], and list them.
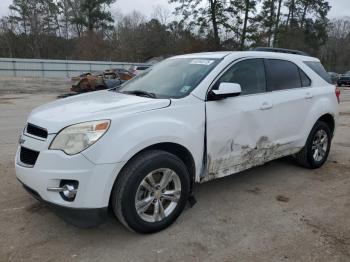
[{"x": 15, "y": 67}]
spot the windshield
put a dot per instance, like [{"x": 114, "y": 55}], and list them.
[{"x": 172, "y": 78}]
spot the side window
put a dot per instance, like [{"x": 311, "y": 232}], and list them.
[
  {"x": 250, "y": 74},
  {"x": 282, "y": 75},
  {"x": 318, "y": 68},
  {"x": 305, "y": 80}
]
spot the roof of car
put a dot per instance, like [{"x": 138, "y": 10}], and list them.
[
  {"x": 213, "y": 55},
  {"x": 222, "y": 54}
]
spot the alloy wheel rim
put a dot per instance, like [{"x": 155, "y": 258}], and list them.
[
  {"x": 319, "y": 145},
  {"x": 158, "y": 195}
]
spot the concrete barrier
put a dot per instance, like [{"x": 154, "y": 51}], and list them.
[{"x": 17, "y": 67}]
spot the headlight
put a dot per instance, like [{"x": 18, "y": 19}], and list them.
[{"x": 76, "y": 138}]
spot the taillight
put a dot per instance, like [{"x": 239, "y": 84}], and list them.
[{"x": 337, "y": 93}]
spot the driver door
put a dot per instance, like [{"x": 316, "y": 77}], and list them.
[{"x": 239, "y": 128}]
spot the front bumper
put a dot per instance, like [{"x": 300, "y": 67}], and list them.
[
  {"x": 51, "y": 166},
  {"x": 80, "y": 217},
  {"x": 95, "y": 181}
]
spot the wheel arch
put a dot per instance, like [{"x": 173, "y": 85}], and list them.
[
  {"x": 174, "y": 148},
  {"x": 329, "y": 120},
  {"x": 181, "y": 152}
]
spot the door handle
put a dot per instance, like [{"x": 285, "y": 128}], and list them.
[
  {"x": 308, "y": 96},
  {"x": 266, "y": 106}
]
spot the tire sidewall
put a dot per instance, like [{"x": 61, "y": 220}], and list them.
[
  {"x": 128, "y": 208},
  {"x": 318, "y": 126}
]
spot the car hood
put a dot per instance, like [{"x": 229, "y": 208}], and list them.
[{"x": 91, "y": 106}]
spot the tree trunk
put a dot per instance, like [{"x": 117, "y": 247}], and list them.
[
  {"x": 25, "y": 26},
  {"x": 66, "y": 29},
  {"x": 213, "y": 7},
  {"x": 304, "y": 14},
  {"x": 90, "y": 22},
  {"x": 246, "y": 17},
  {"x": 277, "y": 23},
  {"x": 288, "y": 18},
  {"x": 272, "y": 12},
  {"x": 292, "y": 13}
]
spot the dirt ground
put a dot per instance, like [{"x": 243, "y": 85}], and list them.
[{"x": 277, "y": 212}]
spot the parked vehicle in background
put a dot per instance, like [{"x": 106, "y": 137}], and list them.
[
  {"x": 105, "y": 80},
  {"x": 344, "y": 80},
  {"x": 120, "y": 73},
  {"x": 138, "y": 69},
  {"x": 334, "y": 77},
  {"x": 139, "y": 150},
  {"x": 94, "y": 83},
  {"x": 75, "y": 79}
]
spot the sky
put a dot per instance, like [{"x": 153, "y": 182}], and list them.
[{"x": 339, "y": 9}]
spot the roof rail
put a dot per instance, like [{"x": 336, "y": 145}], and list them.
[{"x": 280, "y": 50}]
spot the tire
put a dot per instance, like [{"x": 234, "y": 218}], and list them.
[
  {"x": 127, "y": 189},
  {"x": 306, "y": 157}
]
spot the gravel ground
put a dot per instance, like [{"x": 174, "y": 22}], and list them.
[
  {"x": 31, "y": 85},
  {"x": 277, "y": 212}
]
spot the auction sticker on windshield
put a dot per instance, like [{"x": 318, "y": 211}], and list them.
[{"x": 201, "y": 62}]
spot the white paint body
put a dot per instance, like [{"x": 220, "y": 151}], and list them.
[{"x": 278, "y": 121}]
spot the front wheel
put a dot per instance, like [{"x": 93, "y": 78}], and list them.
[
  {"x": 151, "y": 191},
  {"x": 316, "y": 150}
]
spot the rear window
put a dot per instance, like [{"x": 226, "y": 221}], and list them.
[
  {"x": 318, "y": 68},
  {"x": 283, "y": 75}
]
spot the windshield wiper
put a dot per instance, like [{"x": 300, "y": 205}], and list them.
[{"x": 140, "y": 93}]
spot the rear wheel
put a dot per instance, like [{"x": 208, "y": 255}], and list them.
[
  {"x": 151, "y": 191},
  {"x": 316, "y": 150}
]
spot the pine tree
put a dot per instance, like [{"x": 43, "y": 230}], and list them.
[
  {"x": 249, "y": 8},
  {"x": 91, "y": 14},
  {"x": 202, "y": 14},
  {"x": 267, "y": 21}
]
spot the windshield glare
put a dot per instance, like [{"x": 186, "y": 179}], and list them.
[{"x": 172, "y": 78}]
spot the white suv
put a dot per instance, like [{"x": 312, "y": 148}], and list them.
[{"x": 191, "y": 118}]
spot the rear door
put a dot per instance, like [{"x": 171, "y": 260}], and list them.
[{"x": 292, "y": 97}]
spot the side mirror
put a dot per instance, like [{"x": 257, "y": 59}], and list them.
[{"x": 225, "y": 90}]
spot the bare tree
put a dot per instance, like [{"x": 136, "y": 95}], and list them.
[{"x": 162, "y": 14}]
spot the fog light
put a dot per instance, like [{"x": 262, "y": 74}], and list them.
[{"x": 67, "y": 189}]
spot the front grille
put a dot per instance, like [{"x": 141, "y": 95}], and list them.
[
  {"x": 28, "y": 156},
  {"x": 36, "y": 131}
]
